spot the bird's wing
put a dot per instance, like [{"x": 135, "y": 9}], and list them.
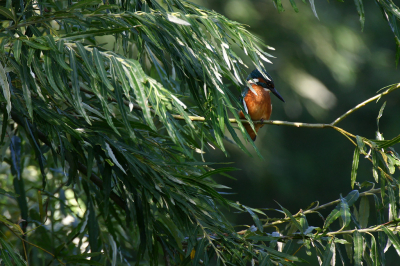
[{"x": 244, "y": 93}]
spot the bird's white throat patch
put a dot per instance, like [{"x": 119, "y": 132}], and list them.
[{"x": 252, "y": 81}]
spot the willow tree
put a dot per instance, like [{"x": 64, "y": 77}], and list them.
[{"x": 102, "y": 143}]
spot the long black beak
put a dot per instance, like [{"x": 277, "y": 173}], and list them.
[{"x": 274, "y": 91}]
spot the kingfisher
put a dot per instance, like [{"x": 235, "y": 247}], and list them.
[{"x": 257, "y": 101}]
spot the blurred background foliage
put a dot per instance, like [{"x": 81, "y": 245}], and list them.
[{"x": 322, "y": 68}]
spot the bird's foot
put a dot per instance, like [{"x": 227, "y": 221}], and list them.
[{"x": 262, "y": 120}]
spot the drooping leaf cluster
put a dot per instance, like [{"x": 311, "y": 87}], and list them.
[{"x": 115, "y": 124}]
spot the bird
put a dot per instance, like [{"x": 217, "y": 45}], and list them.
[{"x": 257, "y": 101}]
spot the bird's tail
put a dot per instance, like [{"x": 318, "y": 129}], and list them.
[
  {"x": 248, "y": 128},
  {"x": 251, "y": 132}
]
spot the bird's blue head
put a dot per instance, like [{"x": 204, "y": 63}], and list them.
[{"x": 264, "y": 81}]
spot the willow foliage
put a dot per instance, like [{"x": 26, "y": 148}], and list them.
[{"x": 113, "y": 132}]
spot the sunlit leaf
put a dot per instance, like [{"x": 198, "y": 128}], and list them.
[
  {"x": 393, "y": 238},
  {"x": 344, "y": 212},
  {"x": 358, "y": 247},
  {"x": 360, "y": 10},
  {"x": 356, "y": 158},
  {"x": 7, "y": 13}
]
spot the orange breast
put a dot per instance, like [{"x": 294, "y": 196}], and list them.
[{"x": 259, "y": 106}]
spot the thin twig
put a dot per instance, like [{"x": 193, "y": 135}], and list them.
[
  {"x": 276, "y": 122},
  {"x": 313, "y": 210},
  {"x": 392, "y": 88},
  {"x": 32, "y": 244},
  {"x": 377, "y": 228}
]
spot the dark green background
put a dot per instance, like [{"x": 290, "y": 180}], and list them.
[{"x": 304, "y": 165}]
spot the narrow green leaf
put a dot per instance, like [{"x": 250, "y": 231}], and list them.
[
  {"x": 262, "y": 238},
  {"x": 83, "y": 262},
  {"x": 336, "y": 213},
  {"x": 48, "y": 67},
  {"x": 380, "y": 113},
  {"x": 36, "y": 45},
  {"x": 83, "y": 3},
  {"x": 364, "y": 212},
  {"x": 352, "y": 197},
  {"x": 177, "y": 20},
  {"x": 113, "y": 158},
  {"x": 7, "y": 13},
  {"x": 387, "y": 143},
  {"x": 255, "y": 218},
  {"x": 360, "y": 10},
  {"x": 278, "y": 4},
  {"x": 101, "y": 93},
  {"x": 392, "y": 204},
  {"x": 360, "y": 143},
  {"x": 83, "y": 256},
  {"x": 91, "y": 33},
  {"x": 4, "y": 127},
  {"x": 374, "y": 252},
  {"x": 349, "y": 248},
  {"x": 292, "y": 219},
  {"x": 19, "y": 188},
  {"x": 293, "y": 3},
  {"x": 375, "y": 165},
  {"x": 93, "y": 228},
  {"x": 113, "y": 245},
  {"x": 105, "y": 7},
  {"x": 41, "y": 209},
  {"x": 121, "y": 76},
  {"x": 383, "y": 186},
  {"x": 265, "y": 261},
  {"x": 17, "y": 50},
  {"x": 26, "y": 90},
  {"x": 6, "y": 89},
  {"x": 392, "y": 162},
  {"x": 136, "y": 77},
  {"x": 356, "y": 158},
  {"x": 35, "y": 144},
  {"x": 101, "y": 69},
  {"x": 76, "y": 88},
  {"x": 281, "y": 255},
  {"x": 328, "y": 254},
  {"x": 31, "y": 53},
  {"x": 50, "y": 41},
  {"x": 90, "y": 158},
  {"x": 4, "y": 255},
  {"x": 199, "y": 249},
  {"x": 313, "y": 8},
  {"x": 88, "y": 63},
  {"x": 358, "y": 247},
  {"x": 397, "y": 51},
  {"x": 10, "y": 252},
  {"x": 60, "y": 59},
  {"x": 8, "y": 193},
  {"x": 345, "y": 212},
  {"x": 393, "y": 238},
  {"x": 117, "y": 72}
]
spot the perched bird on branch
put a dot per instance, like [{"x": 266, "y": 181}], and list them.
[{"x": 257, "y": 101}]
